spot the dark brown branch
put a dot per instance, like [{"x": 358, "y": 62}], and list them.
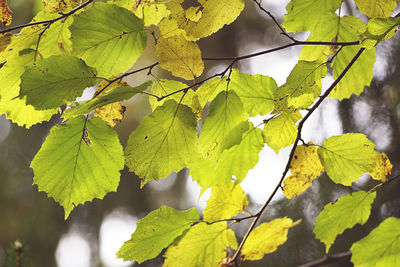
[
  {"x": 328, "y": 259},
  {"x": 51, "y": 21},
  {"x": 300, "y": 127}
]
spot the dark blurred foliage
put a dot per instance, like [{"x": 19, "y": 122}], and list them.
[{"x": 29, "y": 215}]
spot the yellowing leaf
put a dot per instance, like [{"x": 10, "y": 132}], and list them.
[
  {"x": 266, "y": 238},
  {"x": 111, "y": 113},
  {"x": 155, "y": 232},
  {"x": 193, "y": 13},
  {"x": 59, "y": 5},
  {"x": 347, "y": 157},
  {"x": 180, "y": 56},
  {"x": 210, "y": 89},
  {"x": 281, "y": 131},
  {"x": 227, "y": 200},
  {"x": 305, "y": 166},
  {"x": 381, "y": 248},
  {"x": 383, "y": 168},
  {"x": 5, "y": 13},
  {"x": 343, "y": 214},
  {"x": 203, "y": 245},
  {"x": 376, "y": 8}
]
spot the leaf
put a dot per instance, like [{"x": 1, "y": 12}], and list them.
[
  {"x": 240, "y": 158},
  {"x": 202, "y": 171},
  {"x": 383, "y": 168},
  {"x": 380, "y": 248},
  {"x": 5, "y": 13},
  {"x": 346, "y": 157},
  {"x": 203, "y": 245},
  {"x": 52, "y": 82},
  {"x": 266, "y": 238},
  {"x": 376, "y": 8},
  {"x": 164, "y": 87},
  {"x": 227, "y": 200},
  {"x": 352, "y": 82},
  {"x": 117, "y": 94},
  {"x": 155, "y": 232},
  {"x": 162, "y": 143},
  {"x": 59, "y": 5},
  {"x": 210, "y": 89},
  {"x": 343, "y": 214},
  {"x": 79, "y": 161},
  {"x": 305, "y": 166},
  {"x": 108, "y": 44},
  {"x": 16, "y": 109},
  {"x": 215, "y": 14},
  {"x": 379, "y": 30},
  {"x": 255, "y": 91},
  {"x": 111, "y": 113},
  {"x": 305, "y": 15},
  {"x": 151, "y": 13},
  {"x": 281, "y": 131},
  {"x": 180, "y": 56},
  {"x": 226, "y": 112}
]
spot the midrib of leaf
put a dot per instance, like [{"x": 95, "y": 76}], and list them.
[
  {"x": 210, "y": 242},
  {"x": 183, "y": 62},
  {"x": 340, "y": 156}
]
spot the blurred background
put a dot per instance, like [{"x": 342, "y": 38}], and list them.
[{"x": 94, "y": 232}]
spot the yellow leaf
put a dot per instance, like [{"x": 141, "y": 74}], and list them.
[
  {"x": 5, "y": 40},
  {"x": 5, "y": 13},
  {"x": 180, "y": 56},
  {"x": 58, "y": 5},
  {"x": 193, "y": 13},
  {"x": 266, "y": 238},
  {"x": 305, "y": 166},
  {"x": 382, "y": 169},
  {"x": 111, "y": 113}
]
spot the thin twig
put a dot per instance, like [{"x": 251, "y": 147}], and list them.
[
  {"x": 300, "y": 127},
  {"x": 328, "y": 259}
]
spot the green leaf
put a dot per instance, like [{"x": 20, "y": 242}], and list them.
[
  {"x": 305, "y": 15},
  {"x": 210, "y": 89},
  {"x": 238, "y": 159},
  {"x": 226, "y": 112},
  {"x": 255, "y": 91},
  {"x": 281, "y": 131},
  {"x": 15, "y": 108},
  {"x": 346, "y": 157},
  {"x": 352, "y": 82},
  {"x": 266, "y": 238},
  {"x": 163, "y": 142},
  {"x": 379, "y": 30},
  {"x": 115, "y": 95},
  {"x": 54, "y": 81},
  {"x": 79, "y": 161},
  {"x": 155, "y": 232},
  {"x": 108, "y": 37},
  {"x": 381, "y": 248},
  {"x": 343, "y": 214},
  {"x": 203, "y": 245},
  {"x": 376, "y": 8},
  {"x": 227, "y": 200}
]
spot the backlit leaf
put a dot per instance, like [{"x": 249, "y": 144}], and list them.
[
  {"x": 210, "y": 89},
  {"x": 180, "y": 56},
  {"x": 343, "y": 214},
  {"x": 305, "y": 166},
  {"x": 52, "y": 82},
  {"x": 266, "y": 238},
  {"x": 376, "y": 8},
  {"x": 163, "y": 142},
  {"x": 79, "y": 161},
  {"x": 227, "y": 200},
  {"x": 5, "y": 13},
  {"x": 155, "y": 232},
  {"x": 203, "y": 245},
  {"x": 383, "y": 168},
  {"x": 381, "y": 248},
  {"x": 281, "y": 131},
  {"x": 108, "y": 37},
  {"x": 379, "y": 30},
  {"x": 226, "y": 112},
  {"x": 59, "y": 5},
  {"x": 255, "y": 91},
  {"x": 111, "y": 113},
  {"x": 347, "y": 157}
]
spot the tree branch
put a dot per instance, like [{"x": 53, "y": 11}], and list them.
[{"x": 328, "y": 259}]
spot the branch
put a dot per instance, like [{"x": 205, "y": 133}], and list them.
[
  {"x": 328, "y": 259},
  {"x": 298, "y": 138},
  {"x": 51, "y": 21}
]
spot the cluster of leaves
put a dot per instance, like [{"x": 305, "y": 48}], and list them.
[{"x": 72, "y": 45}]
